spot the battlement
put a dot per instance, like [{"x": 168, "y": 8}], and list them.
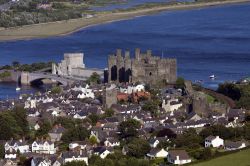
[{"x": 145, "y": 67}]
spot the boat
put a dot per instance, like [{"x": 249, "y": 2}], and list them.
[
  {"x": 18, "y": 88},
  {"x": 212, "y": 77}
]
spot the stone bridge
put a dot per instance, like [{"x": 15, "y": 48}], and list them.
[{"x": 28, "y": 78}]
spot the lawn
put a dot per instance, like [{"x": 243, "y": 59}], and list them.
[{"x": 241, "y": 158}]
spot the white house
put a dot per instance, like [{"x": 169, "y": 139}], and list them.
[
  {"x": 157, "y": 153},
  {"x": 43, "y": 147},
  {"x": 73, "y": 145},
  {"x": 14, "y": 145},
  {"x": 30, "y": 103},
  {"x": 212, "y": 141},
  {"x": 178, "y": 157},
  {"x": 171, "y": 105},
  {"x": 153, "y": 143},
  {"x": 102, "y": 151},
  {"x": 74, "y": 156},
  {"x": 80, "y": 115},
  {"x": 111, "y": 142},
  {"x": 10, "y": 153},
  {"x": 46, "y": 161},
  {"x": 229, "y": 145},
  {"x": 86, "y": 92}
]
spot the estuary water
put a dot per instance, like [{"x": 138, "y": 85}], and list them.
[{"x": 207, "y": 41}]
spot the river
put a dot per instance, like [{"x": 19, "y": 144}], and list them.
[{"x": 207, "y": 41}]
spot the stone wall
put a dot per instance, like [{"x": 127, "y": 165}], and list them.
[{"x": 144, "y": 68}]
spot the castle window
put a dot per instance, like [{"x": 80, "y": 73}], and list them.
[{"x": 150, "y": 74}]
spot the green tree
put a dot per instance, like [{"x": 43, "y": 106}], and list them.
[
  {"x": 94, "y": 79},
  {"x": 129, "y": 128},
  {"x": 94, "y": 118},
  {"x": 9, "y": 127},
  {"x": 75, "y": 163},
  {"x": 15, "y": 64},
  {"x": 180, "y": 83},
  {"x": 56, "y": 90},
  {"x": 44, "y": 129},
  {"x": 1, "y": 151},
  {"x": 230, "y": 90},
  {"x": 138, "y": 148},
  {"x": 109, "y": 112},
  {"x": 20, "y": 115},
  {"x": 77, "y": 133},
  {"x": 189, "y": 139},
  {"x": 93, "y": 140},
  {"x": 151, "y": 106}
]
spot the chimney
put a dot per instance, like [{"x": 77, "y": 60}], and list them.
[{"x": 137, "y": 53}]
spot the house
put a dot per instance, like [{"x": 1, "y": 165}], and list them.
[
  {"x": 111, "y": 142},
  {"x": 155, "y": 141},
  {"x": 229, "y": 145},
  {"x": 11, "y": 153},
  {"x": 56, "y": 133},
  {"x": 8, "y": 162},
  {"x": 212, "y": 141},
  {"x": 79, "y": 144},
  {"x": 46, "y": 161},
  {"x": 70, "y": 156},
  {"x": 37, "y": 126},
  {"x": 102, "y": 151},
  {"x": 80, "y": 115},
  {"x": 43, "y": 147},
  {"x": 157, "y": 153},
  {"x": 171, "y": 105},
  {"x": 15, "y": 146},
  {"x": 178, "y": 157},
  {"x": 33, "y": 112}
]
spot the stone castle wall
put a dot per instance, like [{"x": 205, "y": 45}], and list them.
[{"x": 144, "y": 68}]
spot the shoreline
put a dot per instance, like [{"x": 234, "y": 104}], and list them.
[{"x": 54, "y": 29}]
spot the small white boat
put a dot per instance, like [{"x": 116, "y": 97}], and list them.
[
  {"x": 18, "y": 88},
  {"x": 212, "y": 77}
]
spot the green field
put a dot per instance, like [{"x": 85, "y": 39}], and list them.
[{"x": 241, "y": 158}]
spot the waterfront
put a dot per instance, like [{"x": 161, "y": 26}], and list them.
[{"x": 205, "y": 41}]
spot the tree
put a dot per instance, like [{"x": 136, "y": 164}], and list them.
[
  {"x": 129, "y": 128},
  {"x": 166, "y": 133},
  {"x": 189, "y": 139},
  {"x": 220, "y": 130},
  {"x": 230, "y": 90},
  {"x": 9, "y": 127},
  {"x": 151, "y": 106},
  {"x": 94, "y": 79},
  {"x": 109, "y": 112},
  {"x": 56, "y": 90},
  {"x": 180, "y": 83},
  {"x": 94, "y": 118},
  {"x": 1, "y": 151},
  {"x": 93, "y": 140},
  {"x": 77, "y": 133},
  {"x": 75, "y": 163},
  {"x": 138, "y": 148},
  {"x": 44, "y": 129},
  {"x": 15, "y": 64},
  {"x": 20, "y": 115}
]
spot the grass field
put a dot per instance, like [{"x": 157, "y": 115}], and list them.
[{"x": 241, "y": 158}]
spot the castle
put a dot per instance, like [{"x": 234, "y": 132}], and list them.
[
  {"x": 73, "y": 65},
  {"x": 144, "y": 68}
]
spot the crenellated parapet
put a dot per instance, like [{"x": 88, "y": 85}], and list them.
[{"x": 143, "y": 68}]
